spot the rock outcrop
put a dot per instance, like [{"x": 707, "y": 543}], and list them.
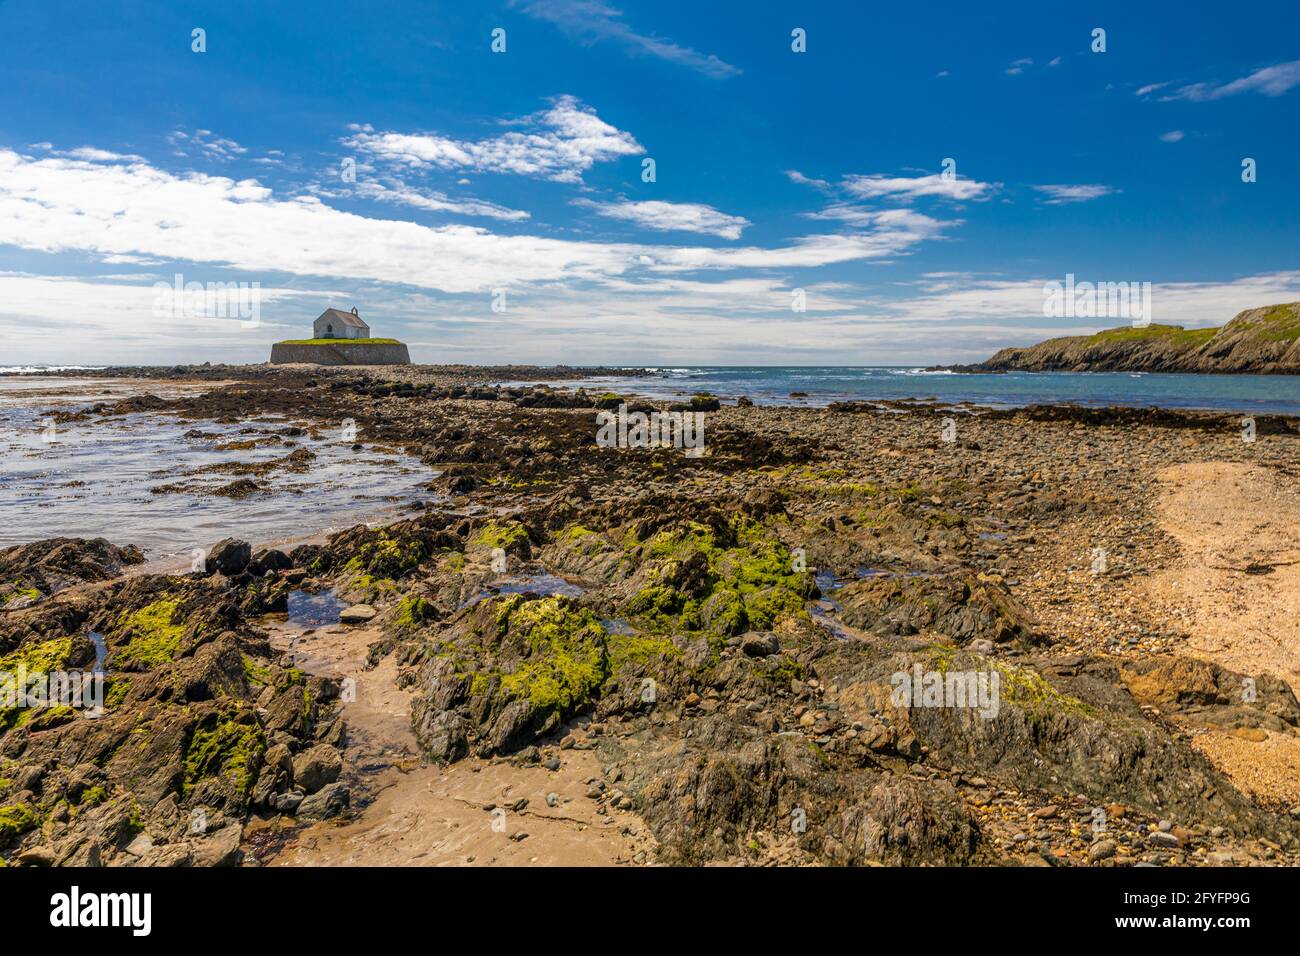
[{"x": 1260, "y": 341}]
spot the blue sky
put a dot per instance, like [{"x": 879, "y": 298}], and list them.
[{"x": 499, "y": 211}]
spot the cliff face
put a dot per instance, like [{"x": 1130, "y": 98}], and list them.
[{"x": 1263, "y": 341}]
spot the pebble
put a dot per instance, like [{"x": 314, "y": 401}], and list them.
[{"x": 1103, "y": 850}]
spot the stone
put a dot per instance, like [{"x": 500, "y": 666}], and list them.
[
  {"x": 328, "y": 802},
  {"x": 37, "y": 856},
  {"x": 141, "y": 845},
  {"x": 314, "y": 768},
  {"x": 229, "y": 556},
  {"x": 287, "y": 802},
  {"x": 1101, "y": 850},
  {"x": 357, "y": 614},
  {"x": 269, "y": 560},
  {"x": 219, "y": 849},
  {"x": 759, "y": 644}
]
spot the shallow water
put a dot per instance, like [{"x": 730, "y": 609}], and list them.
[
  {"x": 769, "y": 385},
  {"x": 307, "y": 609},
  {"x": 101, "y": 650},
  {"x": 97, "y": 478},
  {"x": 543, "y": 584}
]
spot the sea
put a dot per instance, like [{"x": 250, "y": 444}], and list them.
[
  {"x": 106, "y": 477},
  {"x": 820, "y": 385}
]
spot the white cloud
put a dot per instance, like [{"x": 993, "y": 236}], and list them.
[
  {"x": 860, "y": 217},
  {"x": 56, "y": 205},
  {"x": 1061, "y": 194},
  {"x": 124, "y": 260},
  {"x": 893, "y": 232},
  {"x": 1018, "y": 66},
  {"x": 1173, "y": 136},
  {"x": 1191, "y": 304},
  {"x": 797, "y": 177},
  {"x": 591, "y": 21},
  {"x": 655, "y": 320},
  {"x": 94, "y": 320},
  {"x": 671, "y": 216},
  {"x": 559, "y": 144},
  {"x": 1269, "y": 81},
  {"x": 114, "y": 209},
  {"x": 679, "y": 322},
  {"x": 91, "y": 154},
  {"x": 905, "y": 188},
  {"x": 401, "y": 194},
  {"x": 202, "y": 142}
]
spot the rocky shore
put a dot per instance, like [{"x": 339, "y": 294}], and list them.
[{"x": 695, "y": 658}]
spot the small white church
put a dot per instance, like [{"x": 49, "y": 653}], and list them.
[{"x": 337, "y": 324}]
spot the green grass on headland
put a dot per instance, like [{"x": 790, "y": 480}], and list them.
[
  {"x": 1133, "y": 333},
  {"x": 1282, "y": 323},
  {"x": 339, "y": 342}
]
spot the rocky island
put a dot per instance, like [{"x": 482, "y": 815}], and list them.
[
  {"x": 340, "y": 338},
  {"x": 1260, "y": 341}
]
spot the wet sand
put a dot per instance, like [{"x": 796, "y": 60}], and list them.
[{"x": 428, "y": 815}]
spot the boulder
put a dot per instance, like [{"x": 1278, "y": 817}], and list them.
[
  {"x": 759, "y": 644},
  {"x": 314, "y": 768},
  {"x": 328, "y": 802},
  {"x": 229, "y": 556}
]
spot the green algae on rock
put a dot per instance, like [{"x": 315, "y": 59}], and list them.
[{"x": 151, "y": 635}]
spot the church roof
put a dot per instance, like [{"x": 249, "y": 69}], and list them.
[{"x": 346, "y": 318}]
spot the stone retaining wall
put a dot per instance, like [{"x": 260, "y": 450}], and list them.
[{"x": 357, "y": 354}]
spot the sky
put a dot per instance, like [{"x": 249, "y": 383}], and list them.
[{"x": 635, "y": 183}]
